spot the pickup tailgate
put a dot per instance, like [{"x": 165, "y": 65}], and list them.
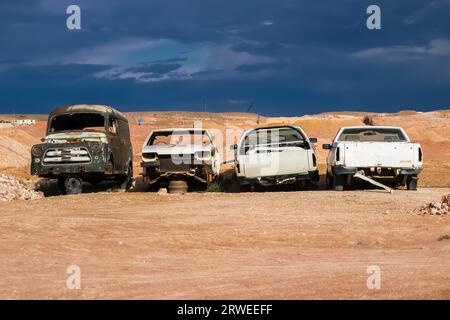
[{"x": 379, "y": 154}]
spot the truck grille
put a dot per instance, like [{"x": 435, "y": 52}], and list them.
[{"x": 67, "y": 156}]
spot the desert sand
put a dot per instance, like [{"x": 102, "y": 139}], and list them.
[{"x": 277, "y": 245}]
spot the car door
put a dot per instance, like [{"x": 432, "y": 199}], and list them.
[
  {"x": 274, "y": 152},
  {"x": 126, "y": 147},
  {"x": 116, "y": 144}
]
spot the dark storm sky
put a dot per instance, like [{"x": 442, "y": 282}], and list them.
[{"x": 288, "y": 57}]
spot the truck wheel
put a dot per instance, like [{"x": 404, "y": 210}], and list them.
[
  {"x": 73, "y": 185},
  {"x": 411, "y": 183},
  {"x": 128, "y": 180},
  {"x": 338, "y": 182},
  {"x": 178, "y": 186}
]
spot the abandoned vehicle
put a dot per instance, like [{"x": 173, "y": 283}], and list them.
[
  {"x": 84, "y": 143},
  {"x": 276, "y": 155},
  {"x": 379, "y": 152},
  {"x": 177, "y": 158}
]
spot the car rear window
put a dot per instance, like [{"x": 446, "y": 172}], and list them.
[
  {"x": 372, "y": 135},
  {"x": 179, "y": 137},
  {"x": 275, "y": 137}
]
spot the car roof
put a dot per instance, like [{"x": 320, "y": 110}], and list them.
[
  {"x": 341, "y": 130},
  {"x": 276, "y": 127},
  {"x": 176, "y": 129},
  {"x": 372, "y": 127},
  {"x": 180, "y": 129},
  {"x": 88, "y": 108}
]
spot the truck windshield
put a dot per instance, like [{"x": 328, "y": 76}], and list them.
[
  {"x": 372, "y": 135},
  {"x": 77, "y": 122},
  {"x": 275, "y": 137},
  {"x": 179, "y": 138}
]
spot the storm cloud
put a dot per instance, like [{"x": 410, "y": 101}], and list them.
[{"x": 288, "y": 57}]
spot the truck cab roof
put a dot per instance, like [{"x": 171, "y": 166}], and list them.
[
  {"x": 88, "y": 108},
  {"x": 355, "y": 131},
  {"x": 373, "y": 127}
]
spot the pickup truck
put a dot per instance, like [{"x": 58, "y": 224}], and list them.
[
  {"x": 379, "y": 152},
  {"x": 275, "y": 155}
]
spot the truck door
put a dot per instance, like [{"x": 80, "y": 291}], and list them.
[
  {"x": 116, "y": 144},
  {"x": 125, "y": 141}
]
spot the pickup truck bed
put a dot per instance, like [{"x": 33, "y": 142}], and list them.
[{"x": 375, "y": 151}]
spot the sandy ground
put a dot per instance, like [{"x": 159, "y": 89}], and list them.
[{"x": 276, "y": 245}]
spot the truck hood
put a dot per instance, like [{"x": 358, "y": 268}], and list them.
[
  {"x": 76, "y": 136},
  {"x": 176, "y": 149}
]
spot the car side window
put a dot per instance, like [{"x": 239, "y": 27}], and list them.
[{"x": 113, "y": 126}]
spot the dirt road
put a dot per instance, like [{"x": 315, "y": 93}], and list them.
[{"x": 277, "y": 245}]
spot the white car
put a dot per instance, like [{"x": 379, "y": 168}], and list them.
[
  {"x": 380, "y": 152},
  {"x": 177, "y": 156},
  {"x": 275, "y": 156}
]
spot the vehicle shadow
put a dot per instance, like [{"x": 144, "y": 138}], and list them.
[
  {"x": 231, "y": 185},
  {"x": 50, "y": 187},
  {"x": 225, "y": 183}
]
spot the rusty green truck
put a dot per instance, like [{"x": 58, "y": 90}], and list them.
[{"x": 84, "y": 143}]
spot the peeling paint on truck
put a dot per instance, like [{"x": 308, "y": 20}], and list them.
[{"x": 84, "y": 143}]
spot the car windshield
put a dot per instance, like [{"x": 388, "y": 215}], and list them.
[
  {"x": 372, "y": 135},
  {"x": 275, "y": 137},
  {"x": 77, "y": 122},
  {"x": 179, "y": 138}
]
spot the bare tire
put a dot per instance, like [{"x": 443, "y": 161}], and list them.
[
  {"x": 178, "y": 186},
  {"x": 411, "y": 183},
  {"x": 73, "y": 185},
  {"x": 338, "y": 182}
]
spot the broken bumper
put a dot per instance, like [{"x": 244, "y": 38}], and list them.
[
  {"x": 156, "y": 170},
  {"x": 279, "y": 180},
  {"x": 343, "y": 170}
]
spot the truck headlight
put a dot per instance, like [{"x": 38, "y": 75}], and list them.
[{"x": 36, "y": 151}]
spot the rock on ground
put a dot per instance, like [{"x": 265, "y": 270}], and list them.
[
  {"x": 436, "y": 207},
  {"x": 12, "y": 188}
]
